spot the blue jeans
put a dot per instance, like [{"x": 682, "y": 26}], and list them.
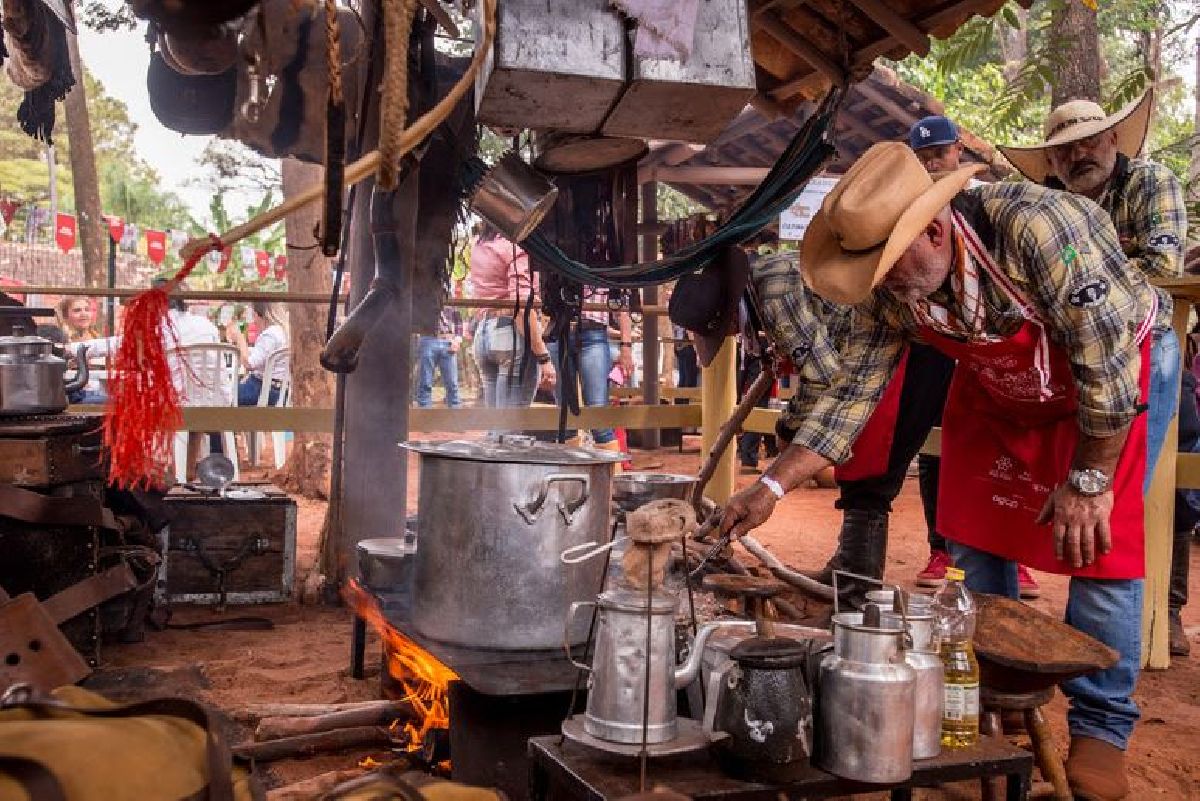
[
  {"x": 595, "y": 363},
  {"x": 1164, "y": 395},
  {"x": 1110, "y": 610},
  {"x": 509, "y": 375},
  {"x": 251, "y": 387},
  {"x": 435, "y": 352}
]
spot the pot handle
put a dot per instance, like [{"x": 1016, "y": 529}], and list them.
[
  {"x": 81, "y": 371},
  {"x": 586, "y": 550},
  {"x": 530, "y": 510},
  {"x": 575, "y": 607}
]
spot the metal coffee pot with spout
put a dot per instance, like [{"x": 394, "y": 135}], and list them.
[
  {"x": 32, "y": 377},
  {"x": 619, "y": 689}
]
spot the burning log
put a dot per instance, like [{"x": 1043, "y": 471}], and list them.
[
  {"x": 785, "y": 573},
  {"x": 252, "y": 713},
  {"x": 303, "y": 745},
  {"x": 375, "y": 714},
  {"x": 314, "y": 786}
]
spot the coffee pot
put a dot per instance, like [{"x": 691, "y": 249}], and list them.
[
  {"x": 635, "y": 635},
  {"x": 32, "y": 377}
]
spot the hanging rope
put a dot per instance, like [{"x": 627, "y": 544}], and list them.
[
  {"x": 143, "y": 410},
  {"x": 393, "y": 109},
  {"x": 335, "y": 136}
]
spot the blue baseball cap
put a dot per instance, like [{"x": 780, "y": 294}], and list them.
[{"x": 931, "y": 132}]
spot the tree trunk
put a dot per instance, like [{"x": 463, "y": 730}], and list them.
[
  {"x": 1076, "y": 39},
  {"x": 307, "y": 469},
  {"x": 92, "y": 230}
]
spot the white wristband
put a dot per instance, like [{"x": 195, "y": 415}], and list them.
[{"x": 774, "y": 486}]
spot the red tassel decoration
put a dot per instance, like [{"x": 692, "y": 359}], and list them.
[{"x": 143, "y": 403}]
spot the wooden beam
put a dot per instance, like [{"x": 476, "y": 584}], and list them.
[
  {"x": 767, "y": 106},
  {"x": 793, "y": 41},
  {"x": 877, "y": 96},
  {"x": 882, "y": 15},
  {"x": 726, "y": 176},
  {"x": 650, "y": 343}
]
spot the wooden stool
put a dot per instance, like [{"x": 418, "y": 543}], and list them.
[{"x": 993, "y": 704}]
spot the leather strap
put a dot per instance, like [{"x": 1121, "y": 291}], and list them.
[
  {"x": 33, "y": 507},
  {"x": 92, "y": 591},
  {"x": 38, "y": 781}
]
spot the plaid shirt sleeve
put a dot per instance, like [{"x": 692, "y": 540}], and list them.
[
  {"x": 1078, "y": 278},
  {"x": 1151, "y": 220},
  {"x": 829, "y": 421}
]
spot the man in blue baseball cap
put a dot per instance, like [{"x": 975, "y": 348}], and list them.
[{"x": 935, "y": 141}]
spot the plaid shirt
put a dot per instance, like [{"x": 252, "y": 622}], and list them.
[
  {"x": 805, "y": 328},
  {"x": 1061, "y": 250},
  {"x": 1145, "y": 202}
]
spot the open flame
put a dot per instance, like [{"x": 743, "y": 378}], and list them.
[{"x": 425, "y": 680}]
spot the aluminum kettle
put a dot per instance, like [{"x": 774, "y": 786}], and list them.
[
  {"x": 33, "y": 378},
  {"x": 617, "y": 681}
]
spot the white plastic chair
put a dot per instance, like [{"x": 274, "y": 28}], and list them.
[
  {"x": 209, "y": 378},
  {"x": 284, "y": 398}
]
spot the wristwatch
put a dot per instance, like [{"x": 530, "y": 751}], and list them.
[{"x": 1090, "y": 482}]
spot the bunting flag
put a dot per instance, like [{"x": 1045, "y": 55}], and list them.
[
  {"x": 280, "y": 267},
  {"x": 8, "y": 209},
  {"x": 64, "y": 231},
  {"x": 262, "y": 262},
  {"x": 156, "y": 245},
  {"x": 116, "y": 227}
]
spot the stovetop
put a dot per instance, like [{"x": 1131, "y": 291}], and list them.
[{"x": 502, "y": 673}]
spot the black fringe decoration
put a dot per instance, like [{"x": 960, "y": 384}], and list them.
[{"x": 36, "y": 114}]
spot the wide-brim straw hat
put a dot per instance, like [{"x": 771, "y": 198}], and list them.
[
  {"x": 1079, "y": 119},
  {"x": 870, "y": 217}
]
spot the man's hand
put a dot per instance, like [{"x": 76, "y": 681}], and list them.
[
  {"x": 1081, "y": 529},
  {"x": 548, "y": 375},
  {"x": 625, "y": 359},
  {"x": 748, "y": 510}
]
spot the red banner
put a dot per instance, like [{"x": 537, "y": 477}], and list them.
[
  {"x": 8, "y": 208},
  {"x": 262, "y": 260},
  {"x": 280, "y": 267},
  {"x": 226, "y": 255},
  {"x": 156, "y": 245},
  {"x": 116, "y": 226},
  {"x": 64, "y": 231}
]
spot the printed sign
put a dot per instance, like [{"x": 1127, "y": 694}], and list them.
[{"x": 794, "y": 220}]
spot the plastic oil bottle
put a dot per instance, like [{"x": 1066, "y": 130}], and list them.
[{"x": 954, "y": 612}]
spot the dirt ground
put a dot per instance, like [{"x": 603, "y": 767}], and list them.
[{"x": 305, "y": 657}]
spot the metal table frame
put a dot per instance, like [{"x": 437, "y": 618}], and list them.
[{"x": 571, "y": 772}]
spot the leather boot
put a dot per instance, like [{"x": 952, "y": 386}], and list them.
[
  {"x": 862, "y": 548},
  {"x": 1096, "y": 770},
  {"x": 1177, "y": 644}
]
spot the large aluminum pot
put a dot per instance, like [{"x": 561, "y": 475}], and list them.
[
  {"x": 32, "y": 378},
  {"x": 493, "y": 518}
]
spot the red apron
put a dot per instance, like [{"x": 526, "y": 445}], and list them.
[
  {"x": 1008, "y": 436},
  {"x": 873, "y": 447}
]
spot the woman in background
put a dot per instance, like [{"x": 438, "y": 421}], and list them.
[
  {"x": 510, "y": 359},
  {"x": 77, "y": 319},
  {"x": 273, "y": 336}
]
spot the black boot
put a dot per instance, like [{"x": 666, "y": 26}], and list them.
[
  {"x": 862, "y": 547},
  {"x": 1178, "y": 596}
]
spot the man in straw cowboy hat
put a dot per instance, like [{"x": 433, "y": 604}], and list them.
[
  {"x": 1095, "y": 154},
  {"x": 1043, "y": 445}
]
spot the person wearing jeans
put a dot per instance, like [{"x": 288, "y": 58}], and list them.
[
  {"x": 440, "y": 352},
  {"x": 509, "y": 373}
]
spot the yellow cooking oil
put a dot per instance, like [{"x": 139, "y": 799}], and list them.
[{"x": 960, "y": 716}]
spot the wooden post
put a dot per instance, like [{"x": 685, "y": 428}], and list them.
[
  {"x": 1160, "y": 531},
  {"x": 650, "y": 344},
  {"x": 718, "y": 396}
]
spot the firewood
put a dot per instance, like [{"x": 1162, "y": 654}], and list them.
[
  {"x": 785, "y": 573},
  {"x": 254, "y": 712},
  {"x": 308, "y": 744},
  {"x": 375, "y": 714},
  {"x": 314, "y": 786}
]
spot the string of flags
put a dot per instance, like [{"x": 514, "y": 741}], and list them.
[{"x": 155, "y": 244}]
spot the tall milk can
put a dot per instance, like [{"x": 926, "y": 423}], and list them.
[
  {"x": 922, "y": 656},
  {"x": 866, "y": 698}
]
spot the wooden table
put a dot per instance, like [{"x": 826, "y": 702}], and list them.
[{"x": 572, "y": 772}]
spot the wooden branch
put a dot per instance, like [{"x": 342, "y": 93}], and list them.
[
  {"x": 729, "y": 429},
  {"x": 800, "y": 46},
  {"x": 314, "y": 786},
  {"x": 784, "y": 573},
  {"x": 252, "y": 713},
  {"x": 907, "y": 33},
  {"x": 310, "y": 744},
  {"x": 273, "y": 728}
]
